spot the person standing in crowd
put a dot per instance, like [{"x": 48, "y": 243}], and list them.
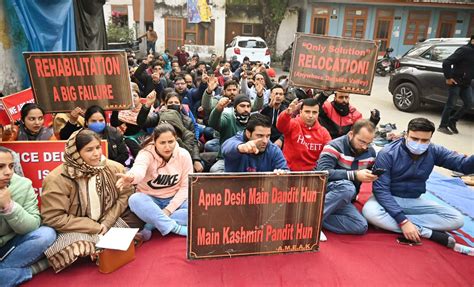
[
  {"x": 80, "y": 200},
  {"x": 160, "y": 172},
  {"x": 459, "y": 72},
  {"x": 31, "y": 127},
  {"x": 94, "y": 119},
  {"x": 22, "y": 239},
  {"x": 398, "y": 203},
  {"x": 304, "y": 136},
  {"x": 151, "y": 38},
  {"x": 348, "y": 159},
  {"x": 338, "y": 116},
  {"x": 252, "y": 150}
]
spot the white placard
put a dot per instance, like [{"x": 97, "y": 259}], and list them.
[{"x": 117, "y": 238}]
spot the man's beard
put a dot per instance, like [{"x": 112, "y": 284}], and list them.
[
  {"x": 357, "y": 151},
  {"x": 341, "y": 109}
]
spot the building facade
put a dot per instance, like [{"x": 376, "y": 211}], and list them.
[{"x": 398, "y": 23}]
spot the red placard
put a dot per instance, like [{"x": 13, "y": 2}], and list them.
[
  {"x": 13, "y": 103},
  {"x": 4, "y": 119},
  {"x": 38, "y": 158}
]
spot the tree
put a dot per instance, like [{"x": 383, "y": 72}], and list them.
[{"x": 273, "y": 13}]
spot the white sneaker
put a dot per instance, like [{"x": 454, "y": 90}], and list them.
[{"x": 322, "y": 237}]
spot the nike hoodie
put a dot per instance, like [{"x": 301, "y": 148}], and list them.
[
  {"x": 302, "y": 145},
  {"x": 163, "y": 180}
]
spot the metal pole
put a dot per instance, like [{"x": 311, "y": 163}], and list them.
[{"x": 141, "y": 28}]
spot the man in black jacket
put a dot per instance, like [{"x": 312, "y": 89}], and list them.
[{"x": 458, "y": 71}]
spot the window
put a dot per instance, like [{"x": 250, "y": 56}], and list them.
[
  {"x": 120, "y": 15},
  {"x": 383, "y": 29},
  {"x": 178, "y": 32},
  {"x": 199, "y": 34},
  {"x": 417, "y": 26},
  {"x": 320, "y": 21},
  {"x": 447, "y": 23},
  {"x": 439, "y": 53},
  {"x": 252, "y": 44},
  {"x": 355, "y": 21},
  {"x": 247, "y": 29}
]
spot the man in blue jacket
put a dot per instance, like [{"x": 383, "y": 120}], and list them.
[
  {"x": 348, "y": 160},
  {"x": 252, "y": 150},
  {"x": 398, "y": 204}
]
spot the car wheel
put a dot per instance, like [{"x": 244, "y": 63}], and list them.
[{"x": 406, "y": 97}]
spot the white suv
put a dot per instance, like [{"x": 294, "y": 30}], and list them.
[{"x": 253, "y": 47}]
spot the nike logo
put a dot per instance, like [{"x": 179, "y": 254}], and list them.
[{"x": 163, "y": 181}]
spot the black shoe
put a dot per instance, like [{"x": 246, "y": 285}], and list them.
[
  {"x": 452, "y": 127},
  {"x": 444, "y": 130}
]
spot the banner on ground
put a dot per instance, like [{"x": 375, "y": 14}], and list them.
[
  {"x": 237, "y": 214},
  {"x": 62, "y": 81},
  {"x": 38, "y": 158},
  {"x": 13, "y": 103},
  {"x": 332, "y": 63}
]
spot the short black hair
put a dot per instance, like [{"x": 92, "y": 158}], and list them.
[
  {"x": 92, "y": 110},
  {"x": 310, "y": 102},
  {"x": 277, "y": 86},
  {"x": 231, "y": 83},
  {"x": 256, "y": 120},
  {"x": 421, "y": 125}
]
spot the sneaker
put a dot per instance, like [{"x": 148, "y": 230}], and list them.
[
  {"x": 444, "y": 130},
  {"x": 452, "y": 127}
]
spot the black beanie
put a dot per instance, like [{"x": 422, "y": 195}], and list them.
[{"x": 241, "y": 98}]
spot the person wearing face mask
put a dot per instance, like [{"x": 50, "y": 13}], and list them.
[
  {"x": 348, "y": 160},
  {"x": 229, "y": 122},
  {"x": 458, "y": 71},
  {"x": 339, "y": 115},
  {"x": 304, "y": 137},
  {"x": 31, "y": 127},
  {"x": 398, "y": 203},
  {"x": 94, "y": 119}
]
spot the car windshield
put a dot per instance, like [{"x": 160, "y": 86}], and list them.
[
  {"x": 416, "y": 50},
  {"x": 252, "y": 44},
  {"x": 439, "y": 53}
]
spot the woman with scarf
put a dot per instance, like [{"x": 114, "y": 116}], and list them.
[
  {"x": 94, "y": 119},
  {"x": 80, "y": 200},
  {"x": 160, "y": 172},
  {"x": 31, "y": 127}
]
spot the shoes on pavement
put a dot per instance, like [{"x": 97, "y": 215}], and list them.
[
  {"x": 452, "y": 127},
  {"x": 445, "y": 130}
]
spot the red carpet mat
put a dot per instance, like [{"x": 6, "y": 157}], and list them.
[{"x": 370, "y": 260}]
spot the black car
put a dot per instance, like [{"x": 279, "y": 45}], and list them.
[{"x": 420, "y": 79}]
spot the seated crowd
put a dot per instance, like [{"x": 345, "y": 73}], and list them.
[{"x": 195, "y": 116}]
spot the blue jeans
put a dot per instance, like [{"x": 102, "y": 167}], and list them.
[
  {"x": 28, "y": 248},
  {"x": 149, "y": 209},
  {"x": 340, "y": 215},
  {"x": 453, "y": 92},
  {"x": 427, "y": 215},
  {"x": 150, "y": 45}
]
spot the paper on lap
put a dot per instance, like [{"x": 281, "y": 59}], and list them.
[{"x": 117, "y": 238}]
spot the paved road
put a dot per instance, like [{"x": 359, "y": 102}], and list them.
[{"x": 382, "y": 100}]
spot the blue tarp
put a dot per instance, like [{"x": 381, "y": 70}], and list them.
[
  {"x": 452, "y": 191},
  {"x": 48, "y": 24}
]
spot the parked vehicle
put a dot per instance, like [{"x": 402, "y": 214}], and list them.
[
  {"x": 387, "y": 64},
  {"x": 286, "y": 58},
  {"x": 420, "y": 79},
  {"x": 253, "y": 47}
]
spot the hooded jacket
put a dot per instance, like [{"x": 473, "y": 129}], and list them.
[
  {"x": 272, "y": 158},
  {"x": 459, "y": 66},
  {"x": 157, "y": 179},
  {"x": 302, "y": 145},
  {"x": 186, "y": 138}
]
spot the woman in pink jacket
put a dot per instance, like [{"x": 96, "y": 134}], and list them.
[{"x": 161, "y": 173}]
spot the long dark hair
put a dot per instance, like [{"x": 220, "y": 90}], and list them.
[{"x": 92, "y": 110}]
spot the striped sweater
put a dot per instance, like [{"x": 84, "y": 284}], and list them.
[{"x": 339, "y": 159}]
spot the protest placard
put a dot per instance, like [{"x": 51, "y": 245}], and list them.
[
  {"x": 332, "y": 63},
  {"x": 237, "y": 214},
  {"x": 62, "y": 81},
  {"x": 14, "y": 102},
  {"x": 38, "y": 158}
]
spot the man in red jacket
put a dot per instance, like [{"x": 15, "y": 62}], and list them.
[{"x": 304, "y": 136}]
